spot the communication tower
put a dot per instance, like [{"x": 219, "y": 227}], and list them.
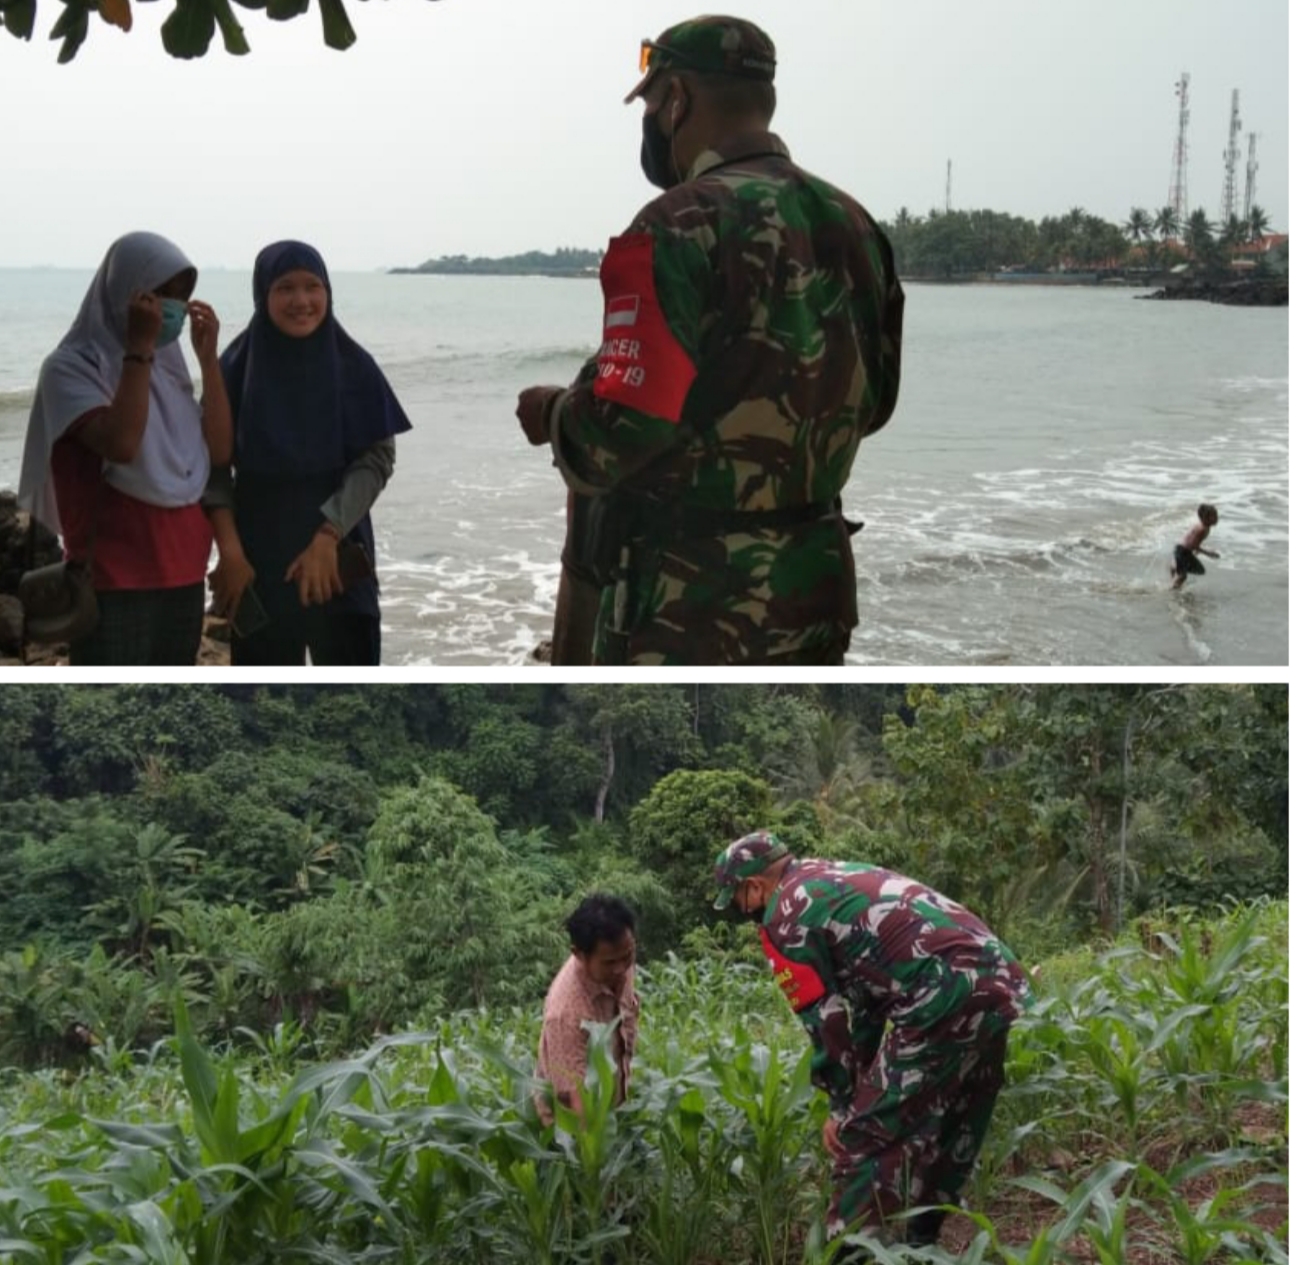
[
  {"x": 1250, "y": 174},
  {"x": 1177, "y": 198},
  {"x": 1231, "y": 155},
  {"x": 949, "y": 185}
]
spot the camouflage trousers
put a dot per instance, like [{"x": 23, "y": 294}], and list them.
[{"x": 920, "y": 1113}]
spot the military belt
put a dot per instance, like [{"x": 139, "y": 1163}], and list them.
[{"x": 663, "y": 519}]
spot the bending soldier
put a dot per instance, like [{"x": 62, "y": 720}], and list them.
[{"x": 857, "y": 950}]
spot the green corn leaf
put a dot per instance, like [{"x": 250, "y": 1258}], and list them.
[
  {"x": 160, "y": 1240},
  {"x": 1079, "y": 1202},
  {"x": 158, "y": 1137},
  {"x": 22, "y": 1249},
  {"x": 356, "y": 1180}
]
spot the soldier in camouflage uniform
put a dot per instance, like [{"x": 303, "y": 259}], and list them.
[
  {"x": 858, "y": 950},
  {"x": 751, "y": 341}
]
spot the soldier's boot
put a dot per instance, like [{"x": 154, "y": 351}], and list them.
[
  {"x": 886, "y": 1235},
  {"x": 924, "y": 1228}
]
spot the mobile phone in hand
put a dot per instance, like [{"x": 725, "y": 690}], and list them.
[
  {"x": 353, "y": 563},
  {"x": 250, "y": 615}
]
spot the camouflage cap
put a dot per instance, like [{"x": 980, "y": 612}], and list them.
[
  {"x": 713, "y": 45},
  {"x": 743, "y": 859}
]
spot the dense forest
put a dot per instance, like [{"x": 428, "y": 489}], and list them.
[
  {"x": 563, "y": 261},
  {"x": 273, "y": 957},
  {"x": 945, "y": 244},
  {"x": 275, "y": 847}
]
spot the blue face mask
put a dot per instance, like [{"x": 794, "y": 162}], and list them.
[{"x": 174, "y": 316}]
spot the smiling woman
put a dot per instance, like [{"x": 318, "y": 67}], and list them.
[{"x": 315, "y": 423}]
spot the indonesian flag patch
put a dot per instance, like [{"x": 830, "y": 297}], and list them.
[
  {"x": 641, "y": 363},
  {"x": 801, "y": 984}
]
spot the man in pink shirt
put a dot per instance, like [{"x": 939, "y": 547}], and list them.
[{"x": 595, "y": 985}]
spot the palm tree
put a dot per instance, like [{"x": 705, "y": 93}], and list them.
[
  {"x": 1258, "y": 223},
  {"x": 903, "y": 218},
  {"x": 1198, "y": 231},
  {"x": 1234, "y": 231},
  {"x": 1139, "y": 225},
  {"x": 1167, "y": 223}
]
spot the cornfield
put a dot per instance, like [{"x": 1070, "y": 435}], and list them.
[{"x": 1144, "y": 1120}]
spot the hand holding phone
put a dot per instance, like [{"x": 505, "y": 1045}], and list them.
[
  {"x": 250, "y": 615},
  {"x": 352, "y": 563}
]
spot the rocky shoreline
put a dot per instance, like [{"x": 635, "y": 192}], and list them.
[
  {"x": 17, "y": 556},
  {"x": 1248, "y": 292}
]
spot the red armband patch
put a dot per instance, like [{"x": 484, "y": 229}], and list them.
[
  {"x": 641, "y": 363},
  {"x": 801, "y": 984}
]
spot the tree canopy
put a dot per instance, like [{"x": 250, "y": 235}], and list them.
[
  {"x": 358, "y": 857},
  {"x": 189, "y": 29}
]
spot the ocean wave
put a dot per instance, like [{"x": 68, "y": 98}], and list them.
[{"x": 16, "y": 400}]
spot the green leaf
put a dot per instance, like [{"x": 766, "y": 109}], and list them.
[
  {"x": 71, "y": 28},
  {"x": 23, "y": 1248},
  {"x": 336, "y": 29},
  {"x": 232, "y": 33},
  {"x": 283, "y": 10},
  {"x": 19, "y": 18},
  {"x": 1087, "y": 1193},
  {"x": 159, "y": 1137},
  {"x": 358, "y": 1182},
  {"x": 158, "y": 1235},
  {"x": 189, "y": 29}
]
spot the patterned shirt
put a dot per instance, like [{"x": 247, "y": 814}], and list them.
[
  {"x": 574, "y": 999},
  {"x": 751, "y": 342},
  {"x": 855, "y": 946}
]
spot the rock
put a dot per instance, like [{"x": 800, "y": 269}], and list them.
[
  {"x": 13, "y": 544},
  {"x": 1247, "y": 292},
  {"x": 11, "y": 625}
]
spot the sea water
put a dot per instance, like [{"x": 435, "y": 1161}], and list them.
[{"x": 1048, "y": 450}]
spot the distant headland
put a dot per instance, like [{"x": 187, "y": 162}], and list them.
[{"x": 567, "y": 261}]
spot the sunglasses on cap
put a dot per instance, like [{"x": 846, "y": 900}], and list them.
[{"x": 647, "y": 50}]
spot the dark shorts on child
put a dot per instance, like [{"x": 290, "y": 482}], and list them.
[{"x": 1185, "y": 563}]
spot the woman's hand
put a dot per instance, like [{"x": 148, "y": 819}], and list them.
[
  {"x": 228, "y": 581},
  {"x": 314, "y": 571},
  {"x": 144, "y": 321},
  {"x": 204, "y": 331},
  {"x": 831, "y": 1138}
]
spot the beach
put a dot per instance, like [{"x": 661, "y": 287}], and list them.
[{"x": 1049, "y": 449}]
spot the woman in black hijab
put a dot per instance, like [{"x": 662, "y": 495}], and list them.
[{"x": 315, "y": 421}]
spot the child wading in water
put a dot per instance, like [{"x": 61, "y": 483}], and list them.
[{"x": 1184, "y": 561}]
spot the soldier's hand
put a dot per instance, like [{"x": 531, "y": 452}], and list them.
[{"x": 534, "y": 406}]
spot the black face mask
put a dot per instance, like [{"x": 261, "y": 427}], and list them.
[
  {"x": 656, "y": 149},
  {"x": 656, "y": 154},
  {"x": 756, "y": 915}
]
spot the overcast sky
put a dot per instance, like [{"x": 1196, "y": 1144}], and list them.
[{"x": 497, "y": 126}]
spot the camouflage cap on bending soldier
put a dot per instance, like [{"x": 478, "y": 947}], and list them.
[
  {"x": 743, "y": 859},
  {"x": 712, "y": 45}
]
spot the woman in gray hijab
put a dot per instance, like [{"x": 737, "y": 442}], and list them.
[{"x": 118, "y": 453}]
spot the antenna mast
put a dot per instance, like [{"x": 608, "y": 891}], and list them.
[
  {"x": 1177, "y": 198},
  {"x": 1231, "y": 155},
  {"x": 949, "y": 185},
  {"x": 1250, "y": 172}
]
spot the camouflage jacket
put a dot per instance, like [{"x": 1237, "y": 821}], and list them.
[
  {"x": 854, "y": 947},
  {"x": 752, "y": 329}
]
